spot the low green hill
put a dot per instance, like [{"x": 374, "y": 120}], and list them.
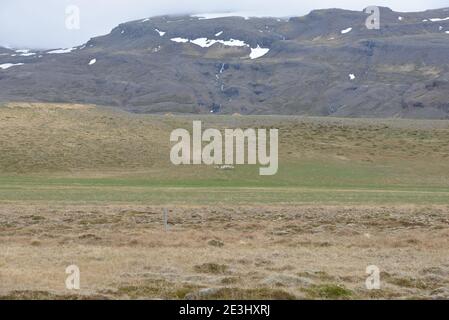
[{"x": 81, "y": 153}]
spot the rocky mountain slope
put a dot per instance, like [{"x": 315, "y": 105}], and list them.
[{"x": 325, "y": 63}]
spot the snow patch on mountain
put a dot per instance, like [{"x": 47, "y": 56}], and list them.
[
  {"x": 258, "y": 52},
  {"x": 180, "y": 40},
  {"x": 206, "y": 43},
  {"x": 161, "y": 33},
  {"x": 9, "y": 65},
  {"x": 23, "y": 53},
  {"x": 346, "y": 30},
  {"x": 233, "y": 43},
  {"x": 207, "y": 16},
  {"x": 439, "y": 19},
  {"x": 60, "y": 51}
]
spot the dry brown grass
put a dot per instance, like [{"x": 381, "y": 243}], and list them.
[
  {"x": 60, "y": 137},
  {"x": 49, "y": 106},
  {"x": 267, "y": 252},
  {"x": 79, "y": 185}
]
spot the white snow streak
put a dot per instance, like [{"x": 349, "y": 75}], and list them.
[
  {"x": 207, "y": 16},
  {"x": 161, "y": 33},
  {"x": 206, "y": 43},
  {"x": 258, "y": 52},
  {"x": 59, "y": 51},
  {"x": 180, "y": 40},
  {"x": 9, "y": 65},
  {"x": 438, "y": 19}
]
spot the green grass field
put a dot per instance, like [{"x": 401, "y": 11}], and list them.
[
  {"x": 302, "y": 183},
  {"x": 77, "y": 154},
  {"x": 90, "y": 186}
]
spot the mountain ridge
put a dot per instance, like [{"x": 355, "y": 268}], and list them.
[{"x": 326, "y": 63}]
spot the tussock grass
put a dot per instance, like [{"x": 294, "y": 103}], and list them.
[{"x": 329, "y": 291}]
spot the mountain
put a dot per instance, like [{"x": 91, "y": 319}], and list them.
[
  {"x": 5, "y": 51},
  {"x": 326, "y": 63}
]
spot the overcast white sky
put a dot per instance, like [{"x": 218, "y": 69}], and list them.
[{"x": 41, "y": 23}]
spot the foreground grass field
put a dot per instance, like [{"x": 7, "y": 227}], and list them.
[
  {"x": 279, "y": 252},
  {"x": 87, "y": 186}
]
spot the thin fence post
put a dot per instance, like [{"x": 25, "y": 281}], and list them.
[{"x": 166, "y": 219}]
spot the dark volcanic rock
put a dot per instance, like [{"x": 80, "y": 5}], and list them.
[{"x": 311, "y": 68}]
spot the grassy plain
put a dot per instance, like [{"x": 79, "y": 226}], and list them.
[{"x": 87, "y": 185}]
